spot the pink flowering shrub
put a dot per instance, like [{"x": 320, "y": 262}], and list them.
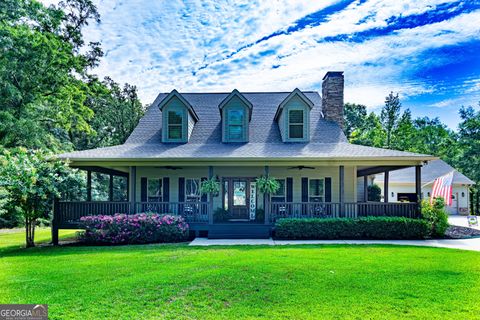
[{"x": 137, "y": 228}]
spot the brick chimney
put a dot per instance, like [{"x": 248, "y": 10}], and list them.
[{"x": 332, "y": 96}]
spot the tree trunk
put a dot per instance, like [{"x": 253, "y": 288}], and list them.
[
  {"x": 30, "y": 232},
  {"x": 27, "y": 231}
]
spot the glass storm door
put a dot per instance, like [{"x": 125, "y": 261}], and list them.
[{"x": 237, "y": 197}]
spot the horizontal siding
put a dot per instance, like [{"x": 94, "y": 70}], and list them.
[
  {"x": 191, "y": 124},
  {"x": 360, "y": 188},
  {"x": 457, "y": 189}
]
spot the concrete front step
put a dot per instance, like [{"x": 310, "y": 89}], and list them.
[{"x": 239, "y": 231}]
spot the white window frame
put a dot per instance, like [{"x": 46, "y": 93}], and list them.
[
  {"x": 242, "y": 125},
  {"x": 289, "y": 123},
  {"x": 175, "y": 125},
  {"x": 188, "y": 197}
]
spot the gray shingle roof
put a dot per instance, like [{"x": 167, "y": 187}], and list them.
[
  {"x": 263, "y": 129},
  {"x": 326, "y": 138},
  {"x": 430, "y": 172}
]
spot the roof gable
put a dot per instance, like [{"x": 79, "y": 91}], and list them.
[
  {"x": 294, "y": 93},
  {"x": 245, "y": 101},
  {"x": 176, "y": 94},
  {"x": 432, "y": 170}
]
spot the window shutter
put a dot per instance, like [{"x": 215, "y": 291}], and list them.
[
  {"x": 181, "y": 189},
  {"x": 166, "y": 189},
  {"x": 328, "y": 189},
  {"x": 289, "y": 189},
  {"x": 204, "y": 195},
  {"x": 304, "y": 189},
  {"x": 143, "y": 189}
]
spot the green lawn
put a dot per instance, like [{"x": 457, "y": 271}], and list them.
[
  {"x": 180, "y": 282},
  {"x": 15, "y": 238}
]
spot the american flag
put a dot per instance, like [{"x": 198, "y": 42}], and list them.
[{"x": 442, "y": 187}]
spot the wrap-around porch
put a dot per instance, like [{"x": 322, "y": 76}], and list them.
[{"x": 306, "y": 192}]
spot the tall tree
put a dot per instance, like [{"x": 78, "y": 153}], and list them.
[
  {"x": 389, "y": 116},
  {"x": 469, "y": 158},
  {"x": 404, "y": 132},
  {"x": 41, "y": 87},
  {"x": 47, "y": 97},
  {"x": 354, "y": 115},
  {"x": 371, "y": 133},
  {"x": 117, "y": 111},
  {"x": 469, "y": 143},
  {"x": 433, "y": 137}
]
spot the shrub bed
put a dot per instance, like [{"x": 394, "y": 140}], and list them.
[
  {"x": 130, "y": 229},
  {"x": 343, "y": 228},
  {"x": 436, "y": 216}
]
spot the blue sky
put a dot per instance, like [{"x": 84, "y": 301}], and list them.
[{"x": 427, "y": 50}]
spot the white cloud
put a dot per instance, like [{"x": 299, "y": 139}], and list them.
[{"x": 161, "y": 45}]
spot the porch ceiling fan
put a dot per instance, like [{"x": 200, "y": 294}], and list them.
[
  {"x": 170, "y": 168},
  {"x": 301, "y": 167}
]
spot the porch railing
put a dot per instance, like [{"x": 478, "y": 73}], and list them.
[
  {"x": 68, "y": 213},
  {"x": 341, "y": 210}
]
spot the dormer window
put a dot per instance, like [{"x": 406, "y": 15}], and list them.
[
  {"x": 295, "y": 124},
  {"x": 178, "y": 118},
  {"x": 175, "y": 125},
  {"x": 236, "y": 112},
  {"x": 236, "y": 124},
  {"x": 293, "y": 117}
]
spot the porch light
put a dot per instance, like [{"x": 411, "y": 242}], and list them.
[
  {"x": 463, "y": 194},
  {"x": 393, "y": 194}
]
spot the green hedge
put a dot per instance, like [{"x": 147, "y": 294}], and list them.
[{"x": 361, "y": 228}]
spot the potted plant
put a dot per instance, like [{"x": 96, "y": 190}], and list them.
[
  {"x": 267, "y": 185},
  {"x": 210, "y": 186}
]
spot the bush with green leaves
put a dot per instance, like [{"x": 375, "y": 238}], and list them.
[
  {"x": 345, "y": 228},
  {"x": 374, "y": 193},
  {"x": 9, "y": 217},
  {"x": 30, "y": 180},
  {"x": 436, "y": 216}
]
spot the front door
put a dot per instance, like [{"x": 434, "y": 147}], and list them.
[
  {"x": 453, "y": 209},
  {"x": 237, "y": 198}
]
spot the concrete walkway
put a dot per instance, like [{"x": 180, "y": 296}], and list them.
[
  {"x": 463, "y": 244},
  {"x": 461, "y": 221}
]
